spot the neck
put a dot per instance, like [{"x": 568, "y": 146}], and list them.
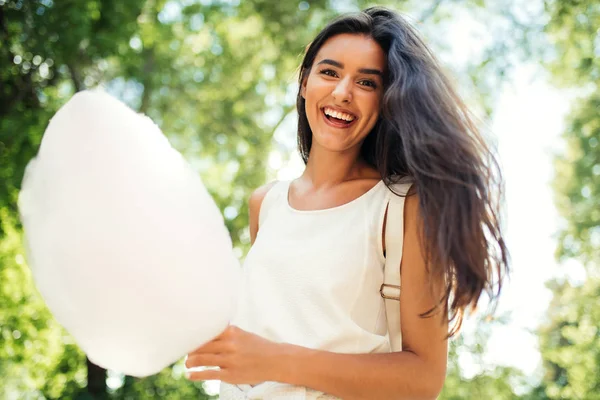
[{"x": 327, "y": 168}]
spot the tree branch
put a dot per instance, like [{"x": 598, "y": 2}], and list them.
[
  {"x": 147, "y": 70},
  {"x": 75, "y": 77}
]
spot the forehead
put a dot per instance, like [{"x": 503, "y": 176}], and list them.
[{"x": 353, "y": 50}]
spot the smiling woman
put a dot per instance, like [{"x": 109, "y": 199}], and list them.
[
  {"x": 344, "y": 91},
  {"x": 396, "y": 176}
]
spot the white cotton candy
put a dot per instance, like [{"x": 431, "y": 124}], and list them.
[{"x": 125, "y": 244}]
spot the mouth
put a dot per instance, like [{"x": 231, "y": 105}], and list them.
[{"x": 338, "y": 119}]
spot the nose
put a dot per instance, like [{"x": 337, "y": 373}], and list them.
[{"x": 343, "y": 91}]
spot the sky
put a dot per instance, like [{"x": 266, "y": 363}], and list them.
[{"x": 528, "y": 122}]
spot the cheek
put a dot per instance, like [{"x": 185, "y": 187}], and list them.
[
  {"x": 376, "y": 102},
  {"x": 372, "y": 108},
  {"x": 317, "y": 89},
  {"x": 312, "y": 95},
  {"x": 370, "y": 124}
]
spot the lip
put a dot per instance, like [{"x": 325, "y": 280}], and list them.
[{"x": 338, "y": 125}]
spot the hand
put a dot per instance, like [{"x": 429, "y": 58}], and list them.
[{"x": 243, "y": 358}]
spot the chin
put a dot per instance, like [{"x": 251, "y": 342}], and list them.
[{"x": 331, "y": 143}]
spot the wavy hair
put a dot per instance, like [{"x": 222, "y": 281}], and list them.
[{"x": 426, "y": 133}]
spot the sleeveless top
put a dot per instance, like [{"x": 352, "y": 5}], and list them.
[{"x": 312, "y": 279}]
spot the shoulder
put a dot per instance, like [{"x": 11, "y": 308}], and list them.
[
  {"x": 406, "y": 193},
  {"x": 256, "y": 199},
  {"x": 411, "y": 207}
]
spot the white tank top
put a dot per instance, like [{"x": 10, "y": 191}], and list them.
[{"x": 312, "y": 279}]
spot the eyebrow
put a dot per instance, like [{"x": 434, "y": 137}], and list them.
[{"x": 368, "y": 71}]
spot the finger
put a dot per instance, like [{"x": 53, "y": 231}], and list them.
[
  {"x": 204, "y": 360},
  {"x": 207, "y": 375},
  {"x": 217, "y": 338},
  {"x": 214, "y": 347}
]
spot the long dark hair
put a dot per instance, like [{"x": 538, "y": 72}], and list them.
[{"x": 426, "y": 133}]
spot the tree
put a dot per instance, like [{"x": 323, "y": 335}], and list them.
[
  {"x": 570, "y": 336},
  {"x": 217, "y": 76},
  {"x": 570, "y": 342},
  {"x": 34, "y": 74},
  {"x": 36, "y": 356},
  {"x": 490, "y": 382}
]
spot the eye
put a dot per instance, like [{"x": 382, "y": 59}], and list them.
[
  {"x": 328, "y": 72},
  {"x": 368, "y": 83}
]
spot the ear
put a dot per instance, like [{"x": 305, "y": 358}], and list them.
[{"x": 303, "y": 86}]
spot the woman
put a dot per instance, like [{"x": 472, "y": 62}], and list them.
[{"x": 376, "y": 116}]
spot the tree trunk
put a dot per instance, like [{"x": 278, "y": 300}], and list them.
[{"x": 96, "y": 385}]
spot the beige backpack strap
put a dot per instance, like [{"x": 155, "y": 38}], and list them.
[{"x": 394, "y": 240}]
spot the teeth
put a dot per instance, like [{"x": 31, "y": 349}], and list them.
[{"x": 338, "y": 115}]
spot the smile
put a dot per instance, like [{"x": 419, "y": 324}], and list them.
[{"x": 338, "y": 119}]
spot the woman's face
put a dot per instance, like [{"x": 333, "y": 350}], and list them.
[{"x": 343, "y": 91}]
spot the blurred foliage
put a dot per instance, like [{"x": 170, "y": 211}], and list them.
[
  {"x": 44, "y": 48},
  {"x": 490, "y": 381},
  {"x": 577, "y": 182},
  {"x": 574, "y": 30},
  {"x": 218, "y": 77},
  {"x": 36, "y": 356},
  {"x": 570, "y": 342},
  {"x": 169, "y": 384},
  {"x": 570, "y": 336}
]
